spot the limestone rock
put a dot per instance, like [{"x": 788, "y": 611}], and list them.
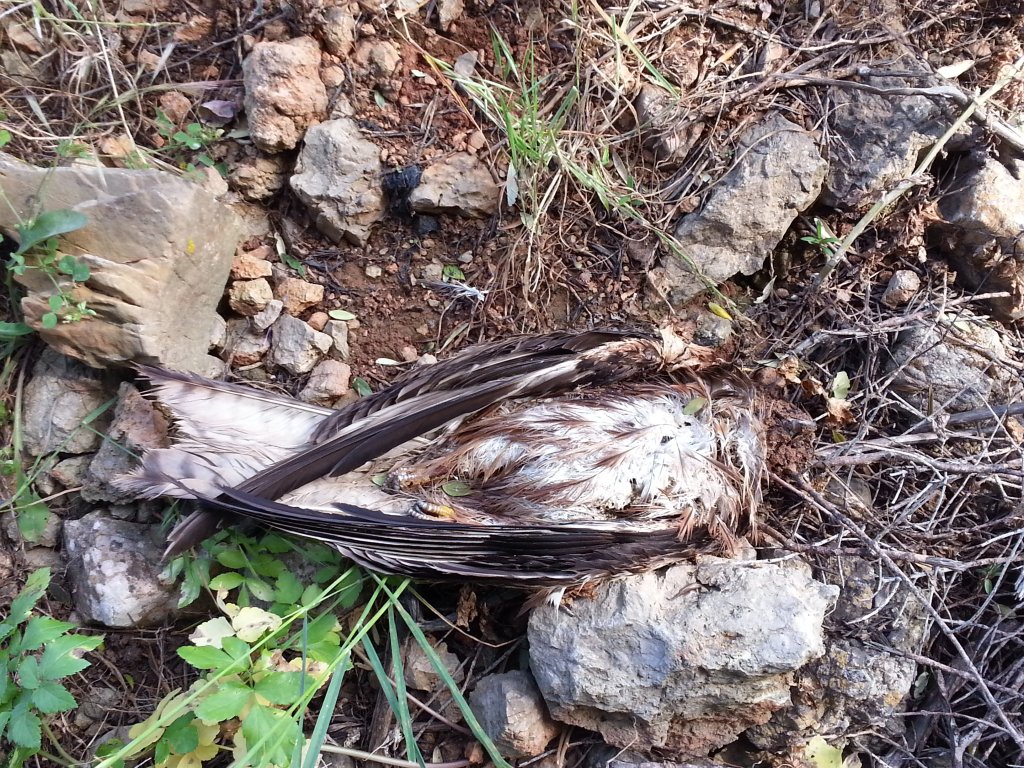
[
  {"x": 684, "y": 659},
  {"x": 980, "y": 233},
  {"x": 955, "y": 366},
  {"x": 459, "y": 184},
  {"x": 298, "y": 295},
  {"x": 60, "y": 395},
  {"x": 420, "y": 673},
  {"x": 158, "y": 248},
  {"x": 877, "y": 139},
  {"x": 338, "y": 30},
  {"x": 137, "y": 427},
  {"x": 245, "y": 344},
  {"x": 328, "y": 381},
  {"x": 512, "y": 712},
  {"x": 283, "y": 92},
  {"x": 115, "y": 568},
  {"x": 338, "y": 178},
  {"x": 902, "y": 287},
  {"x": 778, "y": 174},
  {"x": 338, "y": 331},
  {"x": 295, "y": 346},
  {"x": 246, "y": 266},
  {"x": 862, "y": 682},
  {"x": 259, "y": 177},
  {"x": 250, "y": 297}
]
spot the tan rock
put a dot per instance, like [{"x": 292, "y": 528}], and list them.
[
  {"x": 249, "y": 297},
  {"x": 328, "y": 381},
  {"x": 318, "y": 320},
  {"x": 298, "y": 295},
  {"x": 246, "y": 266}
]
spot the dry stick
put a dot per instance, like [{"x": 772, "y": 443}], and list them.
[
  {"x": 886, "y": 447},
  {"x": 809, "y": 495},
  {"x": 939, "y": 563},
  {"x": 916, "y": 177}
]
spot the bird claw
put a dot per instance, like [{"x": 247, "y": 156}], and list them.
[{"x": 431, "y": 510}]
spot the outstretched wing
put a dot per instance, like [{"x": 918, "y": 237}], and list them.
[{"x": 423, "y": 548}]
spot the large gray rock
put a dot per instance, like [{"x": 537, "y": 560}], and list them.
[
  {"x": 338, "y": 178},
  {"x": 876, "y": 139},
  {"x": 60, "y": 395},
  {"x": 956, "y": 365},
  {"x": 981, "y": 233},
  {"x": 862, "y": 682},
  {"x": 283, "y": 92},
  {"x": 158, "y": 247},
  {"x": 114, "y": 567},
  {"x": 778, "y": 174},
  {"x": 685, "y": 659}
]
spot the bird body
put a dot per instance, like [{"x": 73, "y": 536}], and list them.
[{"x": 575, "y": 456}]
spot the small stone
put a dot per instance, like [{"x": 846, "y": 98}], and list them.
[
  {"x": 218, "y": 332},
  {"x": 244, "y": 346},
  {"x": 267, "y": 316},
  {"x": 338, "y": 331},
  {"x": 338, "y": 31},
  {"x": 332, "y": 76},
  {"x": 476, "y": 141},
  {"x": 175, "y": 105},
  {"x": 427, "y": 359},
  {"x": 260, "y": 176},
  {"x": 283, "y": 92},
  {"x": 433, "y": 271},
  {"x": 380, "y": 59},
  {"x": 248, "y": 297},
  {"x": 448, "y": 11},
  {"x": 465, "y": 258},
  {"x": 48, "y": 538},
  {"x": 295, "y": 346},
  {"x": 419, "y": 670},
  {"x": 712, "y": 330},
  {"x": 299, "y": 295},
  {"x": 328, "y": 381},
  {"x": 318, "y": 320},
  {"x": 249, "y": 267},
  {"x": 71, "y": 472},
  {"x": 460, "y": 185},
  {"x": 61, "y": 394},
  {"x": 373, "y": 271},
  {"x": 512, "y": 712},
  {"x": 901, "y": 288},
  {"x": 408, "y": 353}
]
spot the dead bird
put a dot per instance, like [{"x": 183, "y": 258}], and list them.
[{"x": 548, "y": 460}]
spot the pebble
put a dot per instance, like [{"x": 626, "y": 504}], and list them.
[
  {"x": 373, "y": 271},
  {"x": 901, "y": 288}
]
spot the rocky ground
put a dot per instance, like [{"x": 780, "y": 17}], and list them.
[{"x": 315, "y": 197}]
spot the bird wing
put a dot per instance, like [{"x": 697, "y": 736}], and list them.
[{"x": 425, "y": 548}]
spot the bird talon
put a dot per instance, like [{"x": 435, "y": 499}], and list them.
[{"x": 432, "y": 510}]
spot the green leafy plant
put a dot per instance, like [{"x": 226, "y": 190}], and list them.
[
  {"x": 191, "y": 141},
  {"x": 38, "y": 249},
  {"x": 259, "y": 666},
  {"x": 823, "y": 237},
  {"x": 36, "y": 653}
]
